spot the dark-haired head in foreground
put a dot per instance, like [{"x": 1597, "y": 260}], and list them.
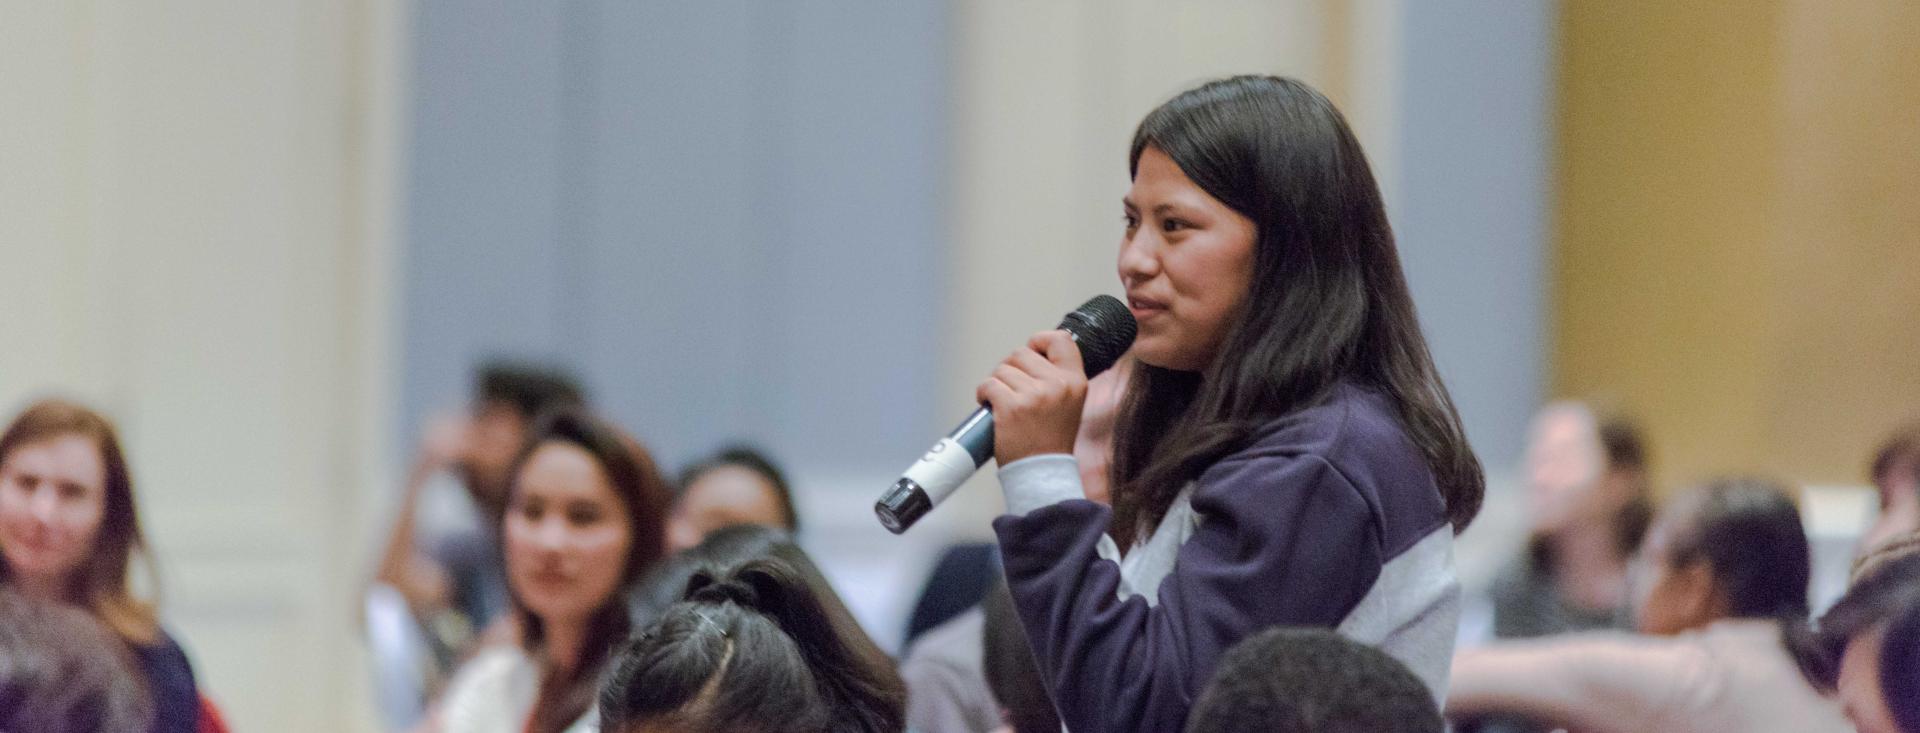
[
  {"x": 760, "y": 644},
  {"x": 1312, "y": 681},
  {"x": 1866, "y": 649},
  {"x": 62, "y": 672}
]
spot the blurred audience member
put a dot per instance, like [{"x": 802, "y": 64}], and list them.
[
  {"x": 584, "y": 520},
  {"x": 761, "y": 644},
  {"x": 443, "y": 554},
  {"x": 1867, "y": 647},
  {"x": 62, "y": 672},
  {"x": 947, "y": 689},
  {"x": 1013, "y": 677},
  {"x": 1723, "y": 575},
  {"x": 1288, "y": 680},
  {"x": 738, "y": 485},
  {"x": 69, "y": 528},
  {"x": 1588, "y": 499},
  {"x": 1896, "y": 475}
]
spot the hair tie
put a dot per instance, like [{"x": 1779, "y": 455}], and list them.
[{"x": 705, "y": 620}]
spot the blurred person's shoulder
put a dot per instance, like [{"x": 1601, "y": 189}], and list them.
[{"x": 497, "y": 683}]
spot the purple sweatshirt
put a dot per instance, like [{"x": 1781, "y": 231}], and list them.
[{"x": 1329, "y": 518}]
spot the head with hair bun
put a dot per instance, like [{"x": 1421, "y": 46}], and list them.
[{"x": 759, "y": 642}]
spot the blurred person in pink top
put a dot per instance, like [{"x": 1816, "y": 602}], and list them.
[{"x": 1720, "y": 582}]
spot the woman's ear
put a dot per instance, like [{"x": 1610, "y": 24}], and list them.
[{"x": 1698, "y": 596}]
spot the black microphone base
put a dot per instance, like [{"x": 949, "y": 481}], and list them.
[{"x": 902, "y": 505}]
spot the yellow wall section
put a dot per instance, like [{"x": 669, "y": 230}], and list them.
[{"x": 1730, "y": 238}]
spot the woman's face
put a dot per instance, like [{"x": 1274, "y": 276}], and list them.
[
  {"x": 723, "y": 497},
  {"x": 567, "y": 534},
  {"x": 1859, "y": 684},
  {"x": 1668, "y": 596},
  {"x": 52, "y": 499},
  {"x": 1564, "y": 467},
  {"x": 1186, "y": 262}
]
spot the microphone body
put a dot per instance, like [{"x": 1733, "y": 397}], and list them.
[{"x": 1102, "y": 327}]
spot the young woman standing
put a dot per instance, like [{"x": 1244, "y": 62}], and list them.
[{"x": 1286, "y": 453}]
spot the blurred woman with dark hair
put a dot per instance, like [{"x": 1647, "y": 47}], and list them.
[
  {"x": 584, "y": 521},
  {"x": 1722, "y": 587},
  {"x": 1866, "y": 649},
  {"x": 1286, "y": 453},
  {"x": 69, "y": 532},
  {"x": 760, "y": 644},
  {"x": 737, "y": 485},
  {"x": 1589, "y": 500}
]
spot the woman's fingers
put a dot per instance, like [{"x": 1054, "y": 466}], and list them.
[{"x": 1060, "y": 349}]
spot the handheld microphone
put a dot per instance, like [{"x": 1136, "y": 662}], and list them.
[{"x": 1102, "y": 327}]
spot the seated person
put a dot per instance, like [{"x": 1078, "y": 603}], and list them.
[
  {"x": 1011, "y": 674},
  {"x": 738, "y": 485},
  {"x": 585, "y": 518},
  {"x": 69, "y": 534},
  {"x": 760, "y": 644},
  {"x": 1287, "y": 680},
  {"x": 62, "y": 672},
  {"x": 1867, "y": 647},
  {"x": 1724, "y": 575},
  {"x": 1895, "y": 472},
  {"x": 442, "y": 554}
]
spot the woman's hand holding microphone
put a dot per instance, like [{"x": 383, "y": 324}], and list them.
[{"x": 1036, "y": 395}]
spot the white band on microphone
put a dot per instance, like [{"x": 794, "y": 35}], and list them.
[{"x": 942, "y": 469}]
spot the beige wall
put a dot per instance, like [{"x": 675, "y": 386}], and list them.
[
  {"x": 199, "y": 206},
  {"x": 1736, "y": 247}
]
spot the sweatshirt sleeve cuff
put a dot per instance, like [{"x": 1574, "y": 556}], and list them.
[{"x": 1042, "y": 480}]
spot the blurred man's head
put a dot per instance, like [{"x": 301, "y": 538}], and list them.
[
  {"x": 738, "y": 485},
  {"x": 508, "y": 398},
  {"x": 1312, "y": 681},
  {"x": 1734, "y": 548},
  {"x": 1896, "y": 476}
]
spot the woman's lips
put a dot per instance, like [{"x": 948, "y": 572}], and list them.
[
  {"x": 549, "y": 577},
  {"x": 1144, "y": 307}
]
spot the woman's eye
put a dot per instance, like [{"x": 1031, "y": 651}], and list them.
[
  {"x": 583, "y": 516},
  {"x": 72, "y": 491},
  {"x": 1174, "y": 225},
  {"x": 1133, "y": 222}
]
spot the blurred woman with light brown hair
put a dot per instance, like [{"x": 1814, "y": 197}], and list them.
[
  {"x": 1588, "y": 499},
  {"x": 69, "y": 529}
]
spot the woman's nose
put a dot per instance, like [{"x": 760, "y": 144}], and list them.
[
  {"x": 550, "y": 533},
  {"x": 1137, "y": 261},
  {"x": 44, "y": 506}
]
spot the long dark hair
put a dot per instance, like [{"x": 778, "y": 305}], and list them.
[
  {"x": 101, "y": 584},
  {"x": 643, "y": 491},
  {"x": 1327, "y": 301},
  {"x": 761, "y": 643}
]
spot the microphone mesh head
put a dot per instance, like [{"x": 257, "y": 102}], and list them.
[{"x": 1104, "y": 328}]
